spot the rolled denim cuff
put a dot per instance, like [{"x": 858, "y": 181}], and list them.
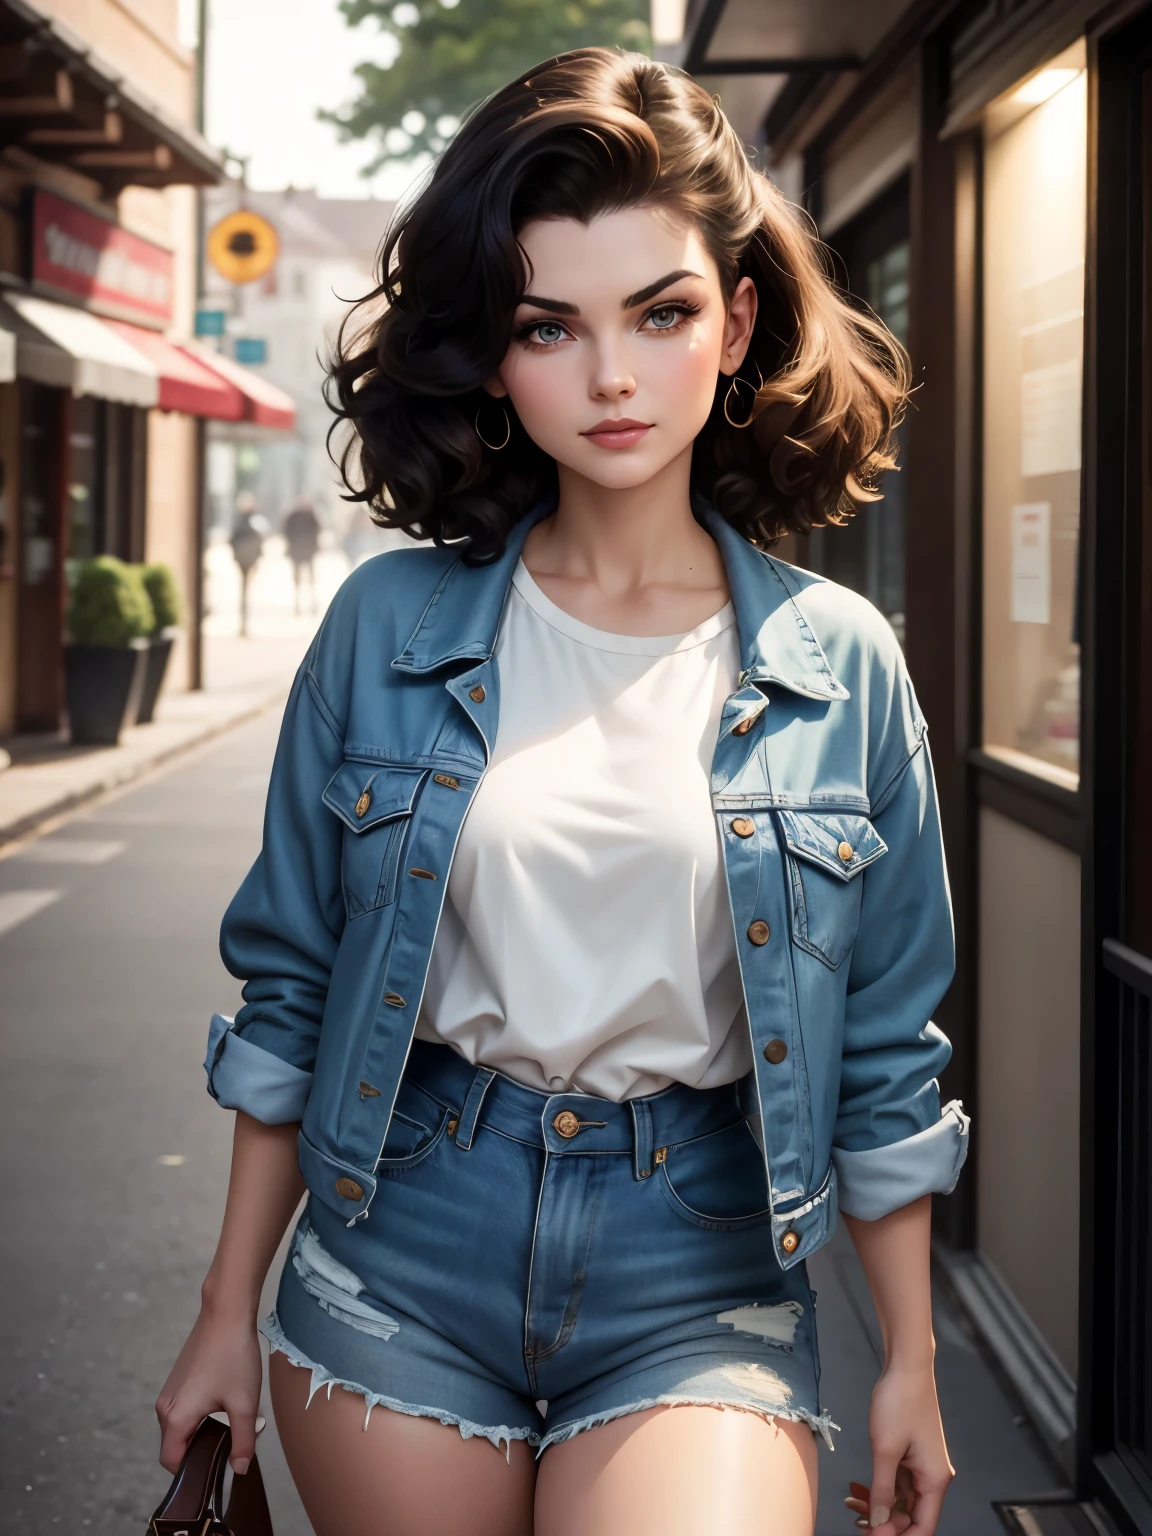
[
  {"x": 876, "y": 1182},
  {"x": 245, "y": 1076}
]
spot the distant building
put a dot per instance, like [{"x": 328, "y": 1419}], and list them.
[{"x": 327, "y": 257}]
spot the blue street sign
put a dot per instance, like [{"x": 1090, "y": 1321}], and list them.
[
  {"x": 210, "y": 322},
  {"x": 251, "y": 349}
]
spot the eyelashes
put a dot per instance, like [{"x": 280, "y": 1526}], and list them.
[{"x": 682, "y": 309}]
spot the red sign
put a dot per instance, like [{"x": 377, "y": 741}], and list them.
[{"x": 92, "y": 258}]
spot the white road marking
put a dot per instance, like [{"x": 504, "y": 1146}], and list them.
[
  {"x": 15, "y": 906},
  {"x": 70, "y": 850}
]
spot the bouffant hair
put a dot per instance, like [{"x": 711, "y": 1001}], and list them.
[{"x": 822, "y": 388}]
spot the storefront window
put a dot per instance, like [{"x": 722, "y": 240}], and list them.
[{"x": 1034, "y": 240}]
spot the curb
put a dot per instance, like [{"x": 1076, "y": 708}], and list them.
[{"x": 117, "y": 778}]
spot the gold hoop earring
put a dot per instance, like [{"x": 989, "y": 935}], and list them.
[
  {"x": 739, "y": 425},
  {"x": 495, "y": 447}
]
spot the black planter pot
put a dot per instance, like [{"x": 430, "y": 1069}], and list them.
[
  {"x": 103, "y": 684},
  {"x": 159, "y": 651}
]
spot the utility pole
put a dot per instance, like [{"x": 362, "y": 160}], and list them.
[{"x": 196, "y": 606}]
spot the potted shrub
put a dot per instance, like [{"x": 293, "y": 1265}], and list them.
[
  {"x": 109, "y": 620},
  {"x": 160, "y": 584}
]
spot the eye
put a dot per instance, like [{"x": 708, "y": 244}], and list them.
[
  {"x": 545, "y": 333},
  {"x": 664, "y": 318}
]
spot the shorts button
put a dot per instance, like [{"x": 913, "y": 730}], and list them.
[
  {"x": 348, "y": 1189},
  {"x": 759, "y": 932},
  {"x": 775, "y": 1052},
  {"x": 846, "y": 852},
  {"x": 790, "y": 1241},
  {"x": 566, "y": 1124},
  {"x": 743, "y": 827},
  {"x": 477, "y": 694}
]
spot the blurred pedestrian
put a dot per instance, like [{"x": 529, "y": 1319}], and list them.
[
  {"x": 249, "y": 530},
  {"x": 301, "y": 530}
]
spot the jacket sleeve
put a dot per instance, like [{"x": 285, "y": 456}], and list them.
[
  {"x": 280, "y": 933},
  {"x": 893, "y": 1142}
]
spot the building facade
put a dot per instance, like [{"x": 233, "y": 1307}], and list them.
[
  {"x": 980, "y": 170},
  {"x": 101, "y": 405},
  {"x": 327, "y": 258}
]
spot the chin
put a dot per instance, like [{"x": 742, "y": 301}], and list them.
[{"x": 618, "y": 469}]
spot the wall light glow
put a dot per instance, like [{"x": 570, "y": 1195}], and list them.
[{"x": 1043, "y": 85}]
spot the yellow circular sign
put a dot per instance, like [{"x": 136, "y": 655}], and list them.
[{"x": 243, "y": 246}]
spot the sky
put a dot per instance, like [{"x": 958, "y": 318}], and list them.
[{"x": 271, "y": 64}]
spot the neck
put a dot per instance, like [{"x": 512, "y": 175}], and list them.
[{"x": 624, "y": 538}]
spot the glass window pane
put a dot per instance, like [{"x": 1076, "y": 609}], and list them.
[{"x": 1034, "y": 240}]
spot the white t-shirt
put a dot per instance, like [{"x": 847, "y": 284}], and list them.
[{"x": 586, "y": 942}]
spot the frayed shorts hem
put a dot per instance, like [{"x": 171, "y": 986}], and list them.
[
  {"x": 503, "y": 1434},
  {"x": 324, "y": 1380},
  {"x": 821, "y": 1424}
]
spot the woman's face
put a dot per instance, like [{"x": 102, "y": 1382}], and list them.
[{"x": 616, "y": 349}]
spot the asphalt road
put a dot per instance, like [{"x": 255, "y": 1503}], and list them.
[{"x": 116, "y": 1161}]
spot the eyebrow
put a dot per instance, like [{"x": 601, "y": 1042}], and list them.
[{"x": 562, "y": 307}]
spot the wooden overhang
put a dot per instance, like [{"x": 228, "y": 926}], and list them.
[
  {"x": 61, "y": 102},
  {"x": 784, "y": 37}
]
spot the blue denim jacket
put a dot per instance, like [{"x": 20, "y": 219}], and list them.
[{"x": 826, "y": 808}]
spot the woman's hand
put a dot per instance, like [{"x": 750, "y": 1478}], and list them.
[
  {"x": 219, "y": 1367},
  {"x": 910, "y": 1466}
]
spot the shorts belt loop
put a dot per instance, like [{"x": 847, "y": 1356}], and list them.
[
  {"x": 641, "y": 1138},
  {"x": 471, "y": 1111}
]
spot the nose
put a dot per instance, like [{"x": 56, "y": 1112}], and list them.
[{"x": 611, "y": 378}]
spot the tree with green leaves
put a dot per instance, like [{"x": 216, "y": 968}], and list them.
[{"x": 450, "y": 54}]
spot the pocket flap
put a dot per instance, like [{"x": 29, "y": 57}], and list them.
[
  {"x": 363, "y": 795},
  {"x": 842, "y": 845}
]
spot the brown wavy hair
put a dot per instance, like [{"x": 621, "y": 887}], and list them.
[{"x": 591, "y": 132}]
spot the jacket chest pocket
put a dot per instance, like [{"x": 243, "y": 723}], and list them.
[
  {"x": 375, "y": 804},
  {"x": 825, "y": 857}
]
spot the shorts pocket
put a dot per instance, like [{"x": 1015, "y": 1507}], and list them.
[
  {"x": 718, "y": 1181},
  {"x": 416, "y": 1128},
  {"x": 826, "y": 854},
  {"x": 375, "y": 804}
]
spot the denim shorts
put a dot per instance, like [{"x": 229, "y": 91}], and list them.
[{"x": 534, "y": 1264}]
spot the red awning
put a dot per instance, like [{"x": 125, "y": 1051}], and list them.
[
  {"x": 185, "y": 383},
  {"x": 264, "y": 404}
]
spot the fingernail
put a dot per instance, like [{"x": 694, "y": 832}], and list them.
[
  {"x": 879, "y": 1515},
  {"x": 240, "y": 1465}
]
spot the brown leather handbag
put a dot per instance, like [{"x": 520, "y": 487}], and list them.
[{"x": 194, "y": 1505}]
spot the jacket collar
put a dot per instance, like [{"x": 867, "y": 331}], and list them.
[{"x": 777, "y": 643}]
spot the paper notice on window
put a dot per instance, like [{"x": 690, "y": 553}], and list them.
[
  {"x": 1050, "y": 419},
  {"x": 1032, "y": 563}
]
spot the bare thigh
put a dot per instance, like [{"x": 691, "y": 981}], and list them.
[
  {"x": 678, "y": 1472},
  {"x": 400, "y": 1475}
]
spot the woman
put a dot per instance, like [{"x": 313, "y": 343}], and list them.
[{"x": 602, "y": 908}]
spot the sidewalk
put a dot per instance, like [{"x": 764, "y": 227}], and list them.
[{"x": 243, "y": 676}]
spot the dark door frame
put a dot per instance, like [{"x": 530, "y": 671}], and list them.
[{"x": 1116, "y": 1144}]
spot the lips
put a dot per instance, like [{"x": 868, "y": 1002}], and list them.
[{"x": 617, "y": 432}]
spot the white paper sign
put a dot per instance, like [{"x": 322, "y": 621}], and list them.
[
  {"x": 1032, "y": 563},
  {"x": 1050, "y": 419}
]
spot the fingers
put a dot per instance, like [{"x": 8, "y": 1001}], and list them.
[
  {"x": 884, "y": 1467},
  {"x": 928, "y": 1504},
  {"x": 242, "y": 1421},
  {"x": 177, "y": 1426}
]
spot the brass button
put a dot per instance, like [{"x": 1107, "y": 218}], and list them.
[
  {"x": 394, "y": 1000},
  {"x": 775, "y": 1052},
  {"x": 645, "y": 1173},
  {"x": 477, "y": 694},
  {"x": 759, "y": 932},
  {"x": 363, "y": 803},
  {"x": 446, "y": 779},
  {"x": 745, "y": 725},
  {"x": 790, "y": 1241},
  {"x": 846, "y": 852},
  {"x": 367, "y": 1091},
  {"x": 422, "y": 874},
  {"x": 348, "y": 1189},
  {"x": 452, "y": 1124},
  {"x": 659, "y": 1156},
  {"x": 566, "y": 1124},
  {"x": 743, "y": 827}
]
